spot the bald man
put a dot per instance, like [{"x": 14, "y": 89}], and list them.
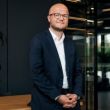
[{"x": 57, "y": 76}]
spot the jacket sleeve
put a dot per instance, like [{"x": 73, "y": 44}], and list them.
[
  {"x": 78, "y": 80},
  {"x": 40, "y": 79}
]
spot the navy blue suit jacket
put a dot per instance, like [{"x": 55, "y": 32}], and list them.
[{"x": 47, "y": 71}]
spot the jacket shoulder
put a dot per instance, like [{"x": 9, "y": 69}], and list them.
[{"x": 41, "y": 35}]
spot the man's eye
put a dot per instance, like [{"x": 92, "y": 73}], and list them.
[{"x": 57, "y": 14}]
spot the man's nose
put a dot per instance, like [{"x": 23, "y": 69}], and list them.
[{"x": 61, "y": 17}]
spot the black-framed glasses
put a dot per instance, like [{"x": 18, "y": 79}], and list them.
[{"x": 58, "y": 15}]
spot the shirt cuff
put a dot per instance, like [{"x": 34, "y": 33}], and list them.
[{"x": 57, "y": 97}]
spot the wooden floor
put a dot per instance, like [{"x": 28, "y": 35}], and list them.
[{"x": 18, "y": 102}]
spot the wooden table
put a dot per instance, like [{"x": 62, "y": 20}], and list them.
[{"x": 18, "y": 102}]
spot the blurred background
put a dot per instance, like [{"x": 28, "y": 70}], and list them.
[{"x": 89, "y": 26}]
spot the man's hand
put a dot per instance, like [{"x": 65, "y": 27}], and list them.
[
  {"x": 68, "y": 100},
  {"x": 73, "y": 98},
  {"x": 63, "y": 99}
]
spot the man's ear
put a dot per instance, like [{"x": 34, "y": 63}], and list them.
[{"x": 48, "y": 17}]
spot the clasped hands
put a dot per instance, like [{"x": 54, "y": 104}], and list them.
[{"x": 68, "y": 100}]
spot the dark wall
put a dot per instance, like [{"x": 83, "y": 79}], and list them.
[
  {"x": 3, "y": 46},
  {"x": 20, "y": 21}
]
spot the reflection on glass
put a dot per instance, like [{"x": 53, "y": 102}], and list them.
[
  {"x": 103, "y": 72},
  {"x": 104, "y": 62},
  {"x": 90, "y": 72}
]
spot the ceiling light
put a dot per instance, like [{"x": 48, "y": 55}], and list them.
[{"x": 92, "y": 8}]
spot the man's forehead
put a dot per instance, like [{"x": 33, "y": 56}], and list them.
[{"x": 58, "y": 7}]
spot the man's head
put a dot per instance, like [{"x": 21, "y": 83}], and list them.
[{"x": 58, "y": 17}]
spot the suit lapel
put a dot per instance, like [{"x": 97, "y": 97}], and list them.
[
  {"x": 66, "y": 49},
  {"x": 53, "y": 48},
  {"x": 55, "y": 53}
]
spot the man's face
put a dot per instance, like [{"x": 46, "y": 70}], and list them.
[{"x": 58, "y": 17}]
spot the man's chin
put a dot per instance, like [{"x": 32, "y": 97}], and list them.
[{"x": 60, "y": 29}]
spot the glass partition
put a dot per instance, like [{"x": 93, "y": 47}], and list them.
[{"x": 103, "y": 71}]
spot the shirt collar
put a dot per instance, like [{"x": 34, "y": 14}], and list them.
[{"x": 55, "y": 38}]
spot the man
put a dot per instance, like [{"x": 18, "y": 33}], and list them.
[{"x": 57, "y": 78}]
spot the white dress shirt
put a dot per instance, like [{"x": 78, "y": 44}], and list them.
[{"x": 60, "y": 49}]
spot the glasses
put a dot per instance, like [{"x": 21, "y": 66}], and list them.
[{"x": 58, "y": 15}]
